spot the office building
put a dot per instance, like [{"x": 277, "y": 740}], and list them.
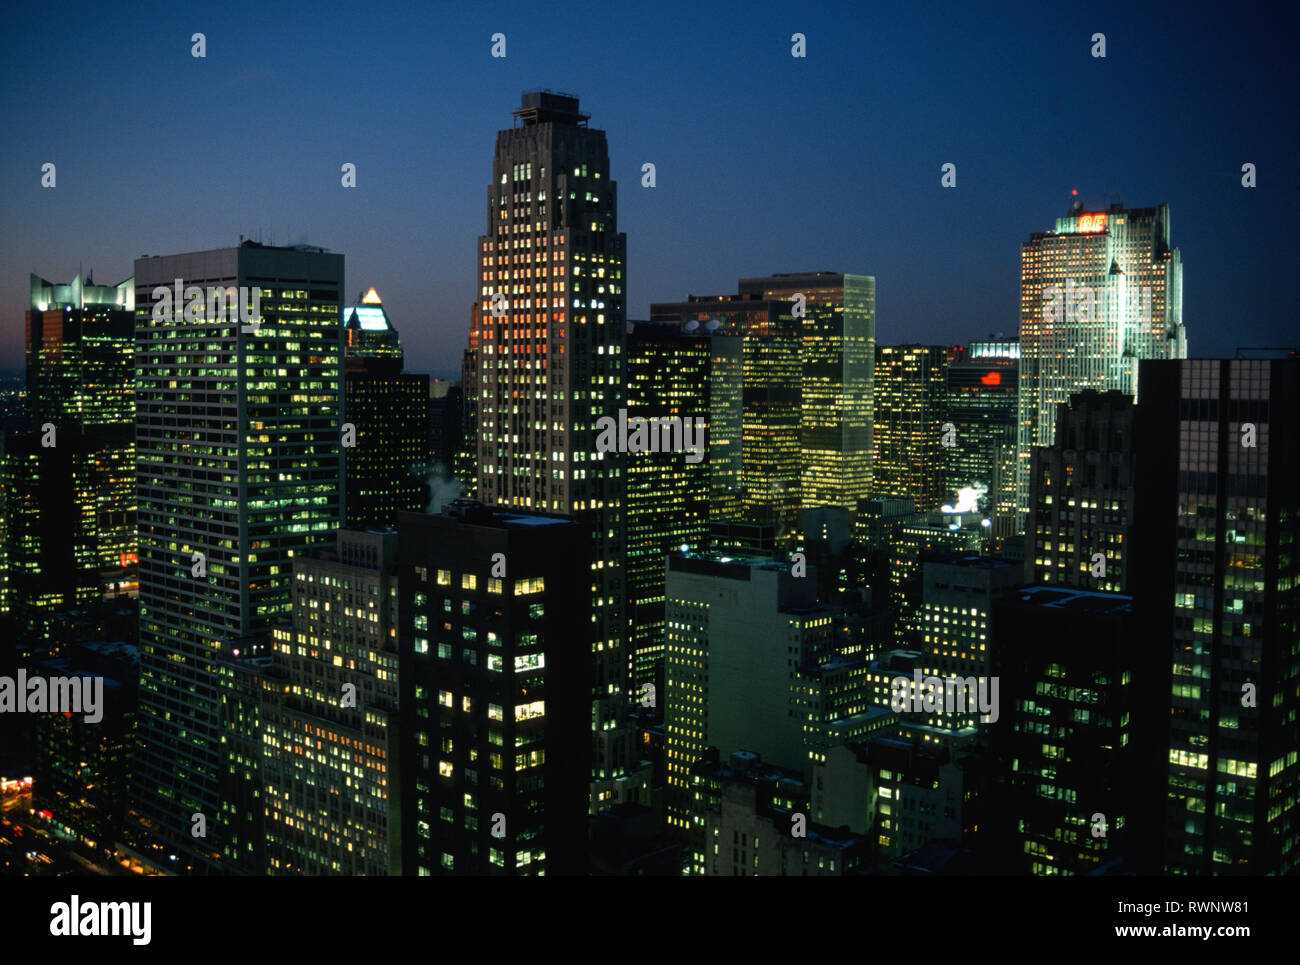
[
  {"x": 239, "y": 470},
  {"x": 676, "y": 374},
  {"x": 1098, "y": 293},
  {"x": 1212, "y": 569},
  {"x": 551, "y": 363},
  {"x": 389, "y": 461},
  {"x": 495, "y": 678},
  {"x": 330, "y": 726},
  {"x": 982, "y": 394},
  {"x": 1081, "y": 498},
  {"x": 911, "y": 440}
]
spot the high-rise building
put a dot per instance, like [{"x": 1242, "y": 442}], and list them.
[
  {"x": 981, "y": 462},
  {"x": 1098, "y": 293},
  {"x": 770, "y": 475},
  {"x": 239, "y": 470},
  {"x": 1079, "y": 734},
  {"x": 674, "y": 373},
  {"x": 329, "y": 719},
  {"x": 911, "y": 442},
  {"x": 743, "y": 640},
  {"x": 387, "y": 410},
  {"x": 809, "y": 350},
  {"x": 1081, "y": 497},
  {"x": 495, "y": 691},
  {"x": 369, "y": 334},
  {"x": 837, "y": 329},
  {"x": 1213, "y": 568},
  {"x": 551, "y": 362},
  {"x": 957, "y": 597},
  {"x": 69, "y": 481}
]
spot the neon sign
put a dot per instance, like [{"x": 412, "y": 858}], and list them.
[
  {"x": 993, "y": 378},
  {"x": 1092, "y": 222}
]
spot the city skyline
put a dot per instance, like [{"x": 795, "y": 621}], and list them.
[{"x": 943, "y": 89}]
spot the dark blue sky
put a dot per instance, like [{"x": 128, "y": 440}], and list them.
[{"x": 765, "y": 163}]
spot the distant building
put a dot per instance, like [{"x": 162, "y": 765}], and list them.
[
  {"x": 911, "y": 409},
  {"x": 1099, "y": 292},
  {"x": 982, "y": 397},
  {"x": 676, "y": 373},
  {"x": 67, "y": 485},
  {"x": 388, "y": 410}
]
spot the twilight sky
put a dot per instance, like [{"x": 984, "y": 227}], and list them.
[{"x": 765, "y": 163}]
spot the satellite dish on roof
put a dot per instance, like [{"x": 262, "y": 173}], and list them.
[
  {"x": 691, "y": 326},
  {"x": 714, "y": 325}
]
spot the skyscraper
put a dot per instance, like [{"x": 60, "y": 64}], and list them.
[
  {"x": 1098, "y": 293},
  {"x": 238, "y": 470},
  {"x": 388, "y": 410},
  {"x": 69, "y": 481},
  {"x": 551, "y": 362},
  {"x": 910, "y": 410},
  {"x": 982, "y": 394},
  {"x": 837, "y": 328},
  {"x": 675, "y": 373},
  {"x": 809, "y": 351},
  {"x": 1213, "y": 568}
]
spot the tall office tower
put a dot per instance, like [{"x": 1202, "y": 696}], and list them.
[
  {"x": 1081, "y": 497},
  {"x": 772, "y": 393},
  {"x": 739, "y": 635},
  {"x": 1100, "y": 292},
  {"x": 552, "y": 341},
  {"x": 369, "y": 332},
  {"x": 981, "y": 463},
  {"x": 239, "y": 470},
  {"x": 329, "y": 741},
  {"x": 911, "y": 439},
  {"x": 837, "y": 327},
  {"x": 957, "y": 597},
  {"x": 1213, "y": 566},
  {"x": 688, "y": 375},
  {"x": 70, "y": 488},
  {"x": 1079, "y": 735},
  {"x": 389, "y": 462},
  {"x": 495, "y": 691}
]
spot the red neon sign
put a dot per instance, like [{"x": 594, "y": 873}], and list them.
[
  {"x": 1092, "y": 222},
  {"x": 993, "y": 378}
]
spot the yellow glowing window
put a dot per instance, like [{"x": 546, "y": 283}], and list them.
[
  {"x": 444, "y": 577},
  {"x": 468, "y": 581}
]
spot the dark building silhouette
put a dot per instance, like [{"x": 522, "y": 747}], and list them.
[{"x": 495, "y": 675}]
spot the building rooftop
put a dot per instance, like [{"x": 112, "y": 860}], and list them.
[{"x": 1070, "y": 598}]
